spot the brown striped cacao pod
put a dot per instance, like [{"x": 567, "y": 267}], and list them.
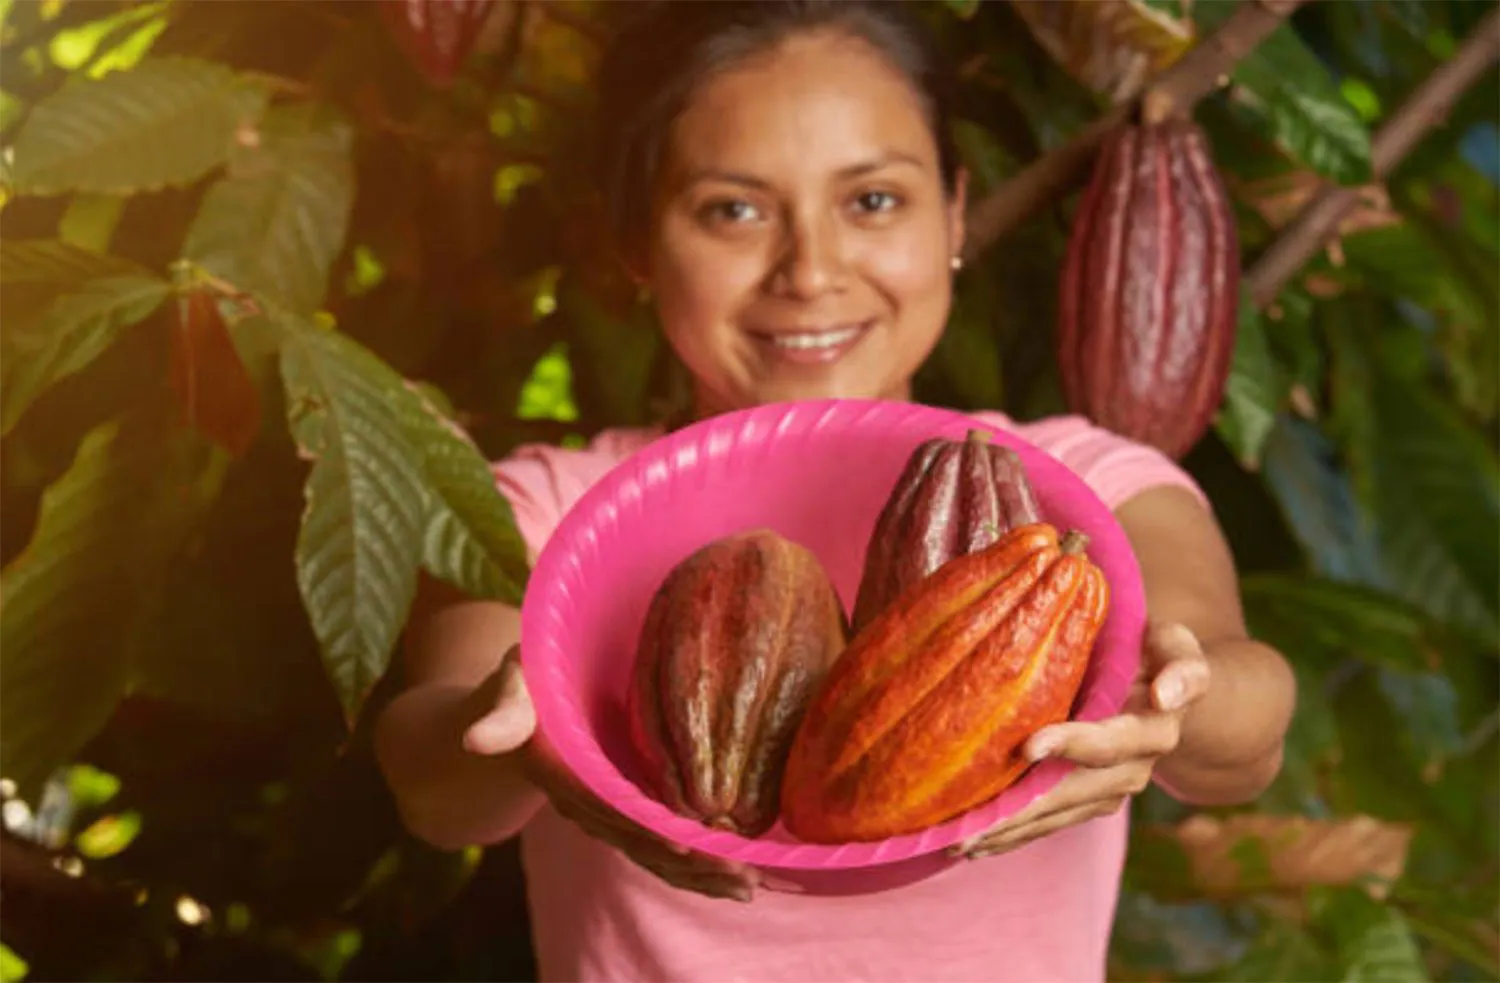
[
  {"x": 1150, "y": 289},
  {"x": 953, "y": 497},
  {"x": 736, "y": 641},
  {"x": 924, "y": 715}
]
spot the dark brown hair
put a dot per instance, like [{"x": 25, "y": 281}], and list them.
[{"x": 665, "y": 49}]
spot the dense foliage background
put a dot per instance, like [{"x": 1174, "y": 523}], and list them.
[{"x": 259, "y": 258}]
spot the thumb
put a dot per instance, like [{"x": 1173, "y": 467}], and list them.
[
  {"x": 1181, "y": 674},
  {"x": 506, "y": 716}
]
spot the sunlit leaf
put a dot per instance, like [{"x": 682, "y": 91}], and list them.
[
  {"x": 361, "y": 538},
  {"x": 1111, "y": 46},
  {"x": 1292, "y": 853},
  {"x": 63, "y": 307},
  {"x": 274, "y": 225},
  {"x": 71, "y": 599},
  {"x": 471, "y": 539},
  {"x": 167, "y": 121},
  {"x": 1295, "y": 102}
]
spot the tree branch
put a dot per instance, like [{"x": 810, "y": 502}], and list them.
[
  {"x": 1179, "y": 87},
  {"x": 1426, "y": 107}
]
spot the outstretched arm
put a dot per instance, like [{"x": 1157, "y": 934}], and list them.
[{"x": 1231, "y": 738}]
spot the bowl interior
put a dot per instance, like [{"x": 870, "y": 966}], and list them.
[{"x": 818, "y": 473}]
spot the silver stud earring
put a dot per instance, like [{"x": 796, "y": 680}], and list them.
[{"x": 957, "y": 263}]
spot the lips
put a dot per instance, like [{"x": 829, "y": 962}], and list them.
[{"x": 812, "y": 345}]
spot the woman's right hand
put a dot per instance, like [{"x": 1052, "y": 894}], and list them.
[{"x": 504, "y": 720}]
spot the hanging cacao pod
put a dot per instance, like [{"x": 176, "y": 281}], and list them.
[
  {"x": 735, "y": 643},
  {"x": 953, "y": 497},
  {"x": 1150, "y": 289},
  {"x": 437, "y": 35},
  {"x": 925, "y": 714}
]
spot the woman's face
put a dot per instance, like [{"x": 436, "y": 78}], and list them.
[{"x": 803, "y": 240}]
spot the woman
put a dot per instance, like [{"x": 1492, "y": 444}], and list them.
[{"x": 784, "y": 186}]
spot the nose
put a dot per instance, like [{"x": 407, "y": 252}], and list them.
[{"x": 812, "y": 261}]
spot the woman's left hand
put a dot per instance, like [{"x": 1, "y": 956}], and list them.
[{"x": 1115, "y": 756}]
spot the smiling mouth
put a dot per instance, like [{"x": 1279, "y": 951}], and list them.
[{"x": 813, "y": 341}]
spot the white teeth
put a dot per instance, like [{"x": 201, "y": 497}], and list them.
[{"x": 819, "y": 339}]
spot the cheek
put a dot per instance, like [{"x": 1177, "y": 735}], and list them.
[
  {"x": 912, "y": 271},
  {"x": 698, "y": 288}
]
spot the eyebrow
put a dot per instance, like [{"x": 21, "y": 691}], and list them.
[{"x": 853, "y": 170}]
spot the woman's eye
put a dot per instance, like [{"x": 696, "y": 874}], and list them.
[
  {"x": 876, "y": 201},
  {"x": 732, "y": 211}
]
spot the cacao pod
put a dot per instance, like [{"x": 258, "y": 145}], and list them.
[
  {"x": 1150, "y": 289},
  {"x": 954, "y": 497},
  {"x": 735, "y": 643},
  {"x": 437, "y": 35},
  {"x": 925, "y": 714}
]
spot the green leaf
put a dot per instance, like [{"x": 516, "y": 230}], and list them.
[
  {"x": 1295, "y": 102},
  {"x": 1373, "y": 941},
  {"x": 471, "y": 540},
  {"x": 168, "y": 121},
  {"x": 1310, "y": 615},
  {"x": 1318, "y": 501},
  {"x": 361, "y": 537},
  {"x": 64, "y": 307},
  {"x": 72, "y": 596},
  {"x": 275, "y": 223},
  {"x": 1427, "y": 704},
  {"x": 1285, "y": 953},
  {"x": 1437, "y": 502},
  {"x": 1254, "y": 392}
]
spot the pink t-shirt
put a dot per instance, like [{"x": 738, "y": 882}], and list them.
[{"x": 1041, "y": 914}]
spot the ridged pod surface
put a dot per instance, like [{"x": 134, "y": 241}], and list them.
[
  {"x": 1150, "y": 289},
  {"x": 924, "y": 715},
  {"x": 735, "y": 643},
  {"x": 953, "y": 497}
]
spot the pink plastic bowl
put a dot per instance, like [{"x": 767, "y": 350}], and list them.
[{"x": 818, "y": 473}]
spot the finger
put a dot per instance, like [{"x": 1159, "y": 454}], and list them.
[
  {"x": 715, "y": 885},
  {"x": 1177, "y": 665},
  {"x": 1107, "y": 742},
  {"x": 1077, "y": 788},
  {"x": 1007, "y": 840},
  {"x": 507, "y": 717},
  {"x": 1179, "y": 685}
]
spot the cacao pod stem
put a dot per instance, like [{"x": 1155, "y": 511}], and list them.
[{"x": 1073, "y": 541}]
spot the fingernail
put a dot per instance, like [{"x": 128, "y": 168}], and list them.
[
  {"x": 1040, "y": 748},
  {"x": 1169, "y": 693}
]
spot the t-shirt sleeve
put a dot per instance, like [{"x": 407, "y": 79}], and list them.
[
  {"x": 541, "y": 482},
  {"x": 1115, "y": 467}
]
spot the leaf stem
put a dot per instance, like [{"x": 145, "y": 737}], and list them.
[
  {"x": 1178, "y": 87},
  {"x": 1425, "y": 108}
]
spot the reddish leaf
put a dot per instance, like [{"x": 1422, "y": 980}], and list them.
[
  {"x": 437, "y": 35},
  {"x": 214, "y": 391}
]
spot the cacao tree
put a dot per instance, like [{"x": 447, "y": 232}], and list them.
[{"x": 279, "y": 279}]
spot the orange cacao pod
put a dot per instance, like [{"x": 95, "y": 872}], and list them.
[
  {"x": 954, "y": 497},
  {"x": 924, "y": 715},
  {"x": 735, "y": 643},
  {"x": 1150, "y": 289}
]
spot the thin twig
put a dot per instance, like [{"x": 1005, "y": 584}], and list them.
[
  {"x": 1179, "y": 86},
  {"x": 1425, "y": 108}
]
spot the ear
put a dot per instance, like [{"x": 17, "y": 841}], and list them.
[{"x": 958, "y": 207}]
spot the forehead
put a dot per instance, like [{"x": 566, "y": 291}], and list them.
[{"x": 812, "y": 103}]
